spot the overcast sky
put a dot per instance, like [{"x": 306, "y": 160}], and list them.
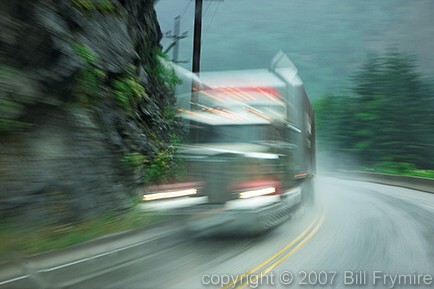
[{"x": 327, "y": 39}]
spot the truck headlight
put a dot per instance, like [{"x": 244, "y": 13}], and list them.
[
  {"x": 257, "y": 193},
  {"x": 169, "y": 194}
]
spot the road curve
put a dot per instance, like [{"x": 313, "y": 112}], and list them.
[{"x": 359, "y": 235}]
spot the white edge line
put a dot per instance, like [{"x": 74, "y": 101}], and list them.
[
  {"x": 13, "y": 280},
  {"x": 91, "y": 258},
  {"x": 74, "y": 263}
]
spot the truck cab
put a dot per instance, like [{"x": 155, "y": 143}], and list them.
[{"x": 250, "y": 144}]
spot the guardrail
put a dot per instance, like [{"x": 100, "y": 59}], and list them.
[{"x": 416, "y": 183}]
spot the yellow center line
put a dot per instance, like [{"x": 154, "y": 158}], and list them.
[
  {"x": 283, "y": 258},
  {"x": 281, "y": 251}
]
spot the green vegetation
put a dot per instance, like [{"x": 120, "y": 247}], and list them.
[
  {"x": 96, "y": 89},
  {"x": 164, "y": 72},
  {"x": 33, "y": 240},
  {"x": 135, "y": 162},
  {"x": 387, "y": 123},
  {"x": 402, "y": 169},
  {"x": 7, "y": 125},
  {"x": 84, "y": 52},
  {"x": 165, "y": 167},
  {"x": 128, "y": 93},
  {"x": 128, "y": 90},
  {"x": 91, "y": 78},
  {"x": 100, "y": 5}
]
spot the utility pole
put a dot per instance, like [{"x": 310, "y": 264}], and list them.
[
  {"x": 197, "y": 36},
  {"x": 197, "y": 41},
  {"x": 176, "y": 37}
]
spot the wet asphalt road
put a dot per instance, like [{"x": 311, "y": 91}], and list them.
[{"x": 359, "y": 235}]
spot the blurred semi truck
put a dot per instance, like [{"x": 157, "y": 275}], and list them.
[{"x": 250, "y": 143}]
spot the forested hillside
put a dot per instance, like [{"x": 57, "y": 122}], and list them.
[{"x": 386, "y": 123}]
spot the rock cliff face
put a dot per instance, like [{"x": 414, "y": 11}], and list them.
[{"x": 84, "y": 105}]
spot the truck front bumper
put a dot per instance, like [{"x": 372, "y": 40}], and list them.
[{"x": 244, "y": 217}]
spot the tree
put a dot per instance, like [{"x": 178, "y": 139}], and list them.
[{"x": 387, "y": 120}]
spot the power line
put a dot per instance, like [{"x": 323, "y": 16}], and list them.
[
  {"x": 186, "y": 9},
  {"x": 212, "y": 18},
  {"x": 207, "y": 7},
  {"x": 197, "y": 38}
]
